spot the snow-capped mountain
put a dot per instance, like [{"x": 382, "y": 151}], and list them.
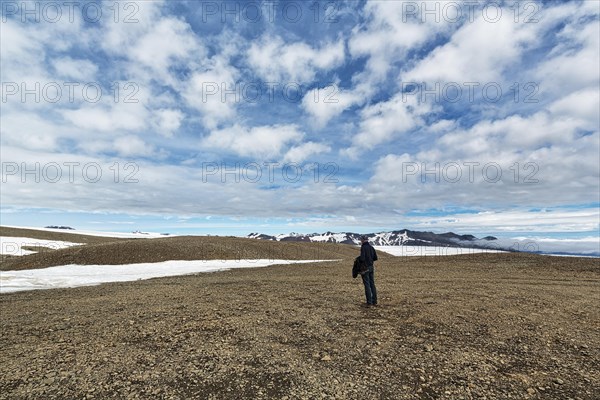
[{"x": 402, "y": 237}]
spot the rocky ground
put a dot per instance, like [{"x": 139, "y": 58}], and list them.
[{"x": 492, "y": 326}]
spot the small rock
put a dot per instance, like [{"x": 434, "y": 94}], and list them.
[
  {"x": 530, "y": 391},
  {"x": 559, "y": 381},
  {"x": 428, "y": 347},
  {"x": 326, "y": 358}
]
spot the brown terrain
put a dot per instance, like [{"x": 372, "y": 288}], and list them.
[{"x": 477, "y": 326}]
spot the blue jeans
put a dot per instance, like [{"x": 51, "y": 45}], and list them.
[{"x": 370, "y": 291}]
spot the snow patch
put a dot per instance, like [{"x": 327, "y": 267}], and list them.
[
  {"x": 73, "y": 275},
  {"x": 13, "y": 246},
  {"x": 121, "y": 235},
  {"x": 407, "y": 251}
]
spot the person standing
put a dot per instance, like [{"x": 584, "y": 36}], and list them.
[{"x": 368, "y": 256}]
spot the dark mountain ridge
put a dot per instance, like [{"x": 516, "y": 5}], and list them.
[{"x": 403, "y": 237}]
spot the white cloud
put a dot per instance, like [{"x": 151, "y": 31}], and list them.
[
  {"x": 302, "y": 152},
  {"x": 513, "y": 221},
  {"x": 30, "y": 131},
  {"x": 78, "y": 70},
  {"x": 385, "y": 121},
  {"x": 530, "y": 154},
  {"x": 582, "y": 105},
  {"x": 388, "y": 33},
  {"x": 277, "y": 61},
  {"x": 443, "y": 125},
  {"x": 131, "y": 146},
  {"x": 586, "y": 245},
  {"x": 22, "y": 53},
  {"x": 119, "y": 38},
  {"x": 514, "y": 133},
  {"x": 326, "y": 102},
  {"x": 168, "y": 121},
  {"x": 206, "y": 91},
  {"x": 469, "y": 57},
  {"x": 577, "y": 46},
  {"x": 536, "y": 131},
  {"x": 128, "y": 146},
  {"x": 264, "y": 142},
  {"x": 134, "y": 53},
  {"x": 108, "y": 117},
  {"x": 385, "y": 38},
  {"x": 560, "y": 137},
  {"x": 169, "y": 42}
]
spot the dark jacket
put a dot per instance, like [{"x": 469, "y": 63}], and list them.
[
  {"x": 359, "y": 267},
  {"x": 368, "y": 255}
]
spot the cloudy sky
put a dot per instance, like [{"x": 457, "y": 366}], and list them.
[{"x": 236, "y": 117}]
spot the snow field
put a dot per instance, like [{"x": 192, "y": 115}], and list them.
[{"x": 68, "y": 276}]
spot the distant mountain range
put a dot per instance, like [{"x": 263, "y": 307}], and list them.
[{"x": 402, "y": 237}]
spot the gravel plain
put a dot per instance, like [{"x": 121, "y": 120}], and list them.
[{"x": 481, "y": 326}]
